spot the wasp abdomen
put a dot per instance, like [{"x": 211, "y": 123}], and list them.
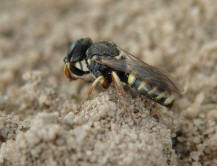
[{"x": 161, "y": 96}]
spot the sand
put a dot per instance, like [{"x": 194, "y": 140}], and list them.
[{"x": 37, "y": 103}]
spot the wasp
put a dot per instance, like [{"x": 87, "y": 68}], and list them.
[{"x": 108, "y": 63}]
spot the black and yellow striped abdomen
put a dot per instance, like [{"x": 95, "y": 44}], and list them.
[{"x": 153, "y": 92}]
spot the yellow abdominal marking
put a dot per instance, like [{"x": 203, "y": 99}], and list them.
[
  {"x": 131, "y": 79},
  {"x": 89, "y": 61},
  {"x": 143, "y": 83},
  {"x": 169, "y": 100},
  {"x": 119, "y": 56},
  {"x": 152, "y": 91},
  {"x": 161, "y": 95}
]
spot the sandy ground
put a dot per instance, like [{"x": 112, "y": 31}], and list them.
[{"x": 37, "y": 103}]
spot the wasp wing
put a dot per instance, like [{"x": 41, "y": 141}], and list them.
[{"x": 128, "y": 63}]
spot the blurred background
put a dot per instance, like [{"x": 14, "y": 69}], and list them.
[{"x": 180, "y": 37}]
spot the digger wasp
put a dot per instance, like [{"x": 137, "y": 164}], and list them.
[{"x": 107, "y": 62}]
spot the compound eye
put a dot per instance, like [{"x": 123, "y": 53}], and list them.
[{"x": 71, "y": 48}]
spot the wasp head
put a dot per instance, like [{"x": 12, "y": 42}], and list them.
[
  {"x": 76, "y": 53},
  {"x": 77, "y": 50}
]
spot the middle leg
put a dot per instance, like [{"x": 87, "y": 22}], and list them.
[
  {"x": 119, "y": 86},
  {"x": 103, "y": 82}
]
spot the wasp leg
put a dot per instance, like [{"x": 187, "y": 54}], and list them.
[
  {"x": 119, "y": 86},
  {"x": 100, "y": 79}
]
